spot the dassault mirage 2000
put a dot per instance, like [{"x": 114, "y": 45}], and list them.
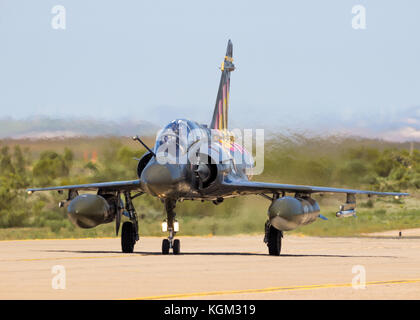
[{"x": 192, "y": 161}]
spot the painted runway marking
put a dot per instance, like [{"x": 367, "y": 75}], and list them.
[
  {"x": 71, "y": 258},
  {"x": 271, "y": 290},
  {"x": 56, "y": 239}
]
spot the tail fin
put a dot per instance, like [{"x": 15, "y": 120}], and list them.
[{"x": 220, "y": 114}]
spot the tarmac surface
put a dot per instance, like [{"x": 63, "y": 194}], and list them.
[{"x": 214, "y": 268}]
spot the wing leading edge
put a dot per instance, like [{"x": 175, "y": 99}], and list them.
[
  {"x": 249, "y": 187},
  {"x": 113, "y": 185}
]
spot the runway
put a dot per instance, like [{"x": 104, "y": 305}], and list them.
[{"x": 213, "y": 268}]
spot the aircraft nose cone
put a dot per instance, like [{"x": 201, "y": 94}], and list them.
[{"x": 160, "y": 179}]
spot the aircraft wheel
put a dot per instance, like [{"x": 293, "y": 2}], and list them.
[
  {"x": 128, "y": 237},
  {"x": 177, "y": 246},
  {"x": 165, "y": 246},
  {"x": 274, "y": 241}
]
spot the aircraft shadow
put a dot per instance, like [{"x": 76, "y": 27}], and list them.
[{"x": 155, "y": 253}]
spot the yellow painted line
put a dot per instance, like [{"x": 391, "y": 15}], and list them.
[
  {"x": 55, "y": 239},
  {"x": 271, "y": 290},
  {"x": 73, "y": 258},
  {"x": 99, "y": 238}
]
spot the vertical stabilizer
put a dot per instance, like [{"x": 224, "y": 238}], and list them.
[{"x": 220, "y": 114}]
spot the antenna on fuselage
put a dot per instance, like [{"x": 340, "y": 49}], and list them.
[{"x": 136, "y": 138}]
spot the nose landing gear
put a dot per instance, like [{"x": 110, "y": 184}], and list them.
[
  {"x": 172, "y": 226},
  {"x": 173, "y": 244}
]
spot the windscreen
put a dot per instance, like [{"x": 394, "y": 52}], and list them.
[{"x": 176, "y": 138}]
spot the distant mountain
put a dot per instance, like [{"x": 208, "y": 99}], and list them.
[
  {"x": 387, "y": 124},
  {"x": 45, "y": 127}
]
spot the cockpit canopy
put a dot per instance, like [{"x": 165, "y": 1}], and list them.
[{"x": 181, "y": 133}]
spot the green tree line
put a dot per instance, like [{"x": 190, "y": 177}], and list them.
[{"x": 298, "y": 160}]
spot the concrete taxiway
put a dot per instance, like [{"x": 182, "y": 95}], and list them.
[{"x": 213, "y": 268}]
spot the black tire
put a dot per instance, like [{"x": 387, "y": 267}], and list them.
[
  {"x": 177, "y": 246},
  {"x": 165, "y": 246},
  {"x": 274, "y": 241},
  {"x": 128, "y": 237}
]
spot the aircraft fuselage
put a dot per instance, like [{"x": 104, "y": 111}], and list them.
[{"x": 190, "y": 159}]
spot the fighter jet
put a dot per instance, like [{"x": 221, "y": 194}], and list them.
[{"x": 192, "y": 161}]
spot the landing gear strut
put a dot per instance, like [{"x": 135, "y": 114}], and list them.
[
  {"x": 130, "y": 229},
  {"x": 273, "y": 239},
  {"x": 172, "y": 228}
]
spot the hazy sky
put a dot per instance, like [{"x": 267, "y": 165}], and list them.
[{"x": 300, "y": 64}]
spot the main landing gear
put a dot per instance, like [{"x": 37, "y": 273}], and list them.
[
  {"x": 273, "y": 239},
  {"x": 130, "y": 229},
  {"x": 172, "y": 226},
  {"x": 128, "y": 238}
]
